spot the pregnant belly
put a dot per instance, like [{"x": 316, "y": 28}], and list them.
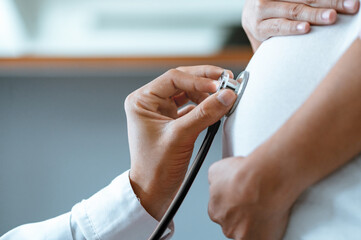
[{"x": 283, "y": 73}]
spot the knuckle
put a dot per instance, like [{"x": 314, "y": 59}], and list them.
[
  {"x": 312, "y": 15},
  {"x": 259, "y": 6},
  {"x": 133, "y": 103},
  {"x": 296, "y": 11},
  {"x": 211, "y": 212},
  {"x": 316, "y": 16},
  {"x": 275, "y": 27},
  {"x": 211, "y": 171},
  {"x": 171, "y": 72},
  {"x": 290, "y": 27},
  {"x": 241, "y": 236},
  {"x": 228, "y": 231},
  {"x": 310, "y": 2},
  {"x": 208, "y": 68},
  {"x": 262, "y": 33},
  {"x": 243, "y": 231},
  {"x": 259, "y": 10},
  {"x": 204, "y": 69},
  {"x": 214, "y": 215},
  {"x": 335, "y": 3},
  {"x": 128, "y": 102},
  {"x": 181, "y": 68},
  {"x": 203, "y": 113}
]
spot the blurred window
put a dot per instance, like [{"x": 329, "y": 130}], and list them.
[{"x": 116, "y": 27}]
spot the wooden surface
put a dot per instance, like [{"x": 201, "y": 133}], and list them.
[{"x": 230, "y": 57}]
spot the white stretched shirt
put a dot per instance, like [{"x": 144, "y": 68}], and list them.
[
  {"x": 114, "y": 213},
  {"x": 283, "y": 73}
]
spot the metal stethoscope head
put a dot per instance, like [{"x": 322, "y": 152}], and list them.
[
  {"x": 225, "y": 82},
  {"x": 237, "y": 85}
]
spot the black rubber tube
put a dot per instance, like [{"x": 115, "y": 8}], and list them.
[{"x": 187, "y": 183}]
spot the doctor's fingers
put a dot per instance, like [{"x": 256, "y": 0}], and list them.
[
  {"x": 207, "y": 71},
  {"x": 184, "y": 97},
  {"x": 185, "y": 110},
  {"x": 281, "y": 27},
  {"x": 299, "y": 12},
  {"x": 342, "y": 6},
  {"x": 205, "y": 114},
  {"x": 174, "y": 81}
]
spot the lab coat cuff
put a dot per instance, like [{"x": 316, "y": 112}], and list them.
[{"x": 115, "y": 213}]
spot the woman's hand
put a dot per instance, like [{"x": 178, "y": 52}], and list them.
[
  {"x": 263, "y": 19},
  {"x": 161, "y": 137},
  {"x": 249, "y": 199}
]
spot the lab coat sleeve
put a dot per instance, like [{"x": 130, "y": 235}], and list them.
[{"x": 114, "y": 213}]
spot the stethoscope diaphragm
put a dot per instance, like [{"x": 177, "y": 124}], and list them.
[{"x": 238, "y": 86}]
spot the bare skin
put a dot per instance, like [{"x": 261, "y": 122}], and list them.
[
  {"x": 253, "y": 200},
  {"x": 263, "y": 19},
  {"x": 162, "y": 135}
]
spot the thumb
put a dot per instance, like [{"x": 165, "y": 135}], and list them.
[{"x": 207, "y": 112}]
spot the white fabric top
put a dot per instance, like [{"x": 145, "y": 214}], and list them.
[
  {"x": 283, "y": 73},
  {"x": 114, "y": 213}
]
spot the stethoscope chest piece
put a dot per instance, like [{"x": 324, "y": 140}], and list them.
[{"x": 237, "y": 85}]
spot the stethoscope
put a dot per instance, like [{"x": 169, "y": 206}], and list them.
[{"x": 237, "y": 85}]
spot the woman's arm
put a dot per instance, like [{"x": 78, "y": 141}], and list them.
[
  {"x": 325, "y": 132},
  {"x": 253, "y": 200}
]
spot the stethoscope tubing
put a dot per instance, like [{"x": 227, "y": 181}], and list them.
[
  {"x": 238, "y": 86},
  {"x": 187, "y": 183}
]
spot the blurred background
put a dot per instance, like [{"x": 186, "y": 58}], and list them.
[{"x": 66, "y": 67}]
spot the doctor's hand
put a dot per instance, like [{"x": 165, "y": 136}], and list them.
[
  {"x": 263, "y": 19},
  {"x": 162, "y": 136},
  {"x": 249, "y": 199}
]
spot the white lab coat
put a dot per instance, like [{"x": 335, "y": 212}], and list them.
[{"x": 114, "y": 213}]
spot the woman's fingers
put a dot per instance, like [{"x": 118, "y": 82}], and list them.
[
  {"x": 342, "y": 6},
  {"x": 282, "y": 27},
  {"x": 314, "y": 12},
  {"x": 300, "y": 12}
]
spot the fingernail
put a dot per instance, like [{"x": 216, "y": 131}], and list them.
[
  {"x": 230, "y": 73},
  {"x": 301, "y": 27},
  {"x": 350, "y": 4},
  {"x": 226, "y": 97},
  {"x": 216, "y": 83},
  {"x": 326, "y": 15}
]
